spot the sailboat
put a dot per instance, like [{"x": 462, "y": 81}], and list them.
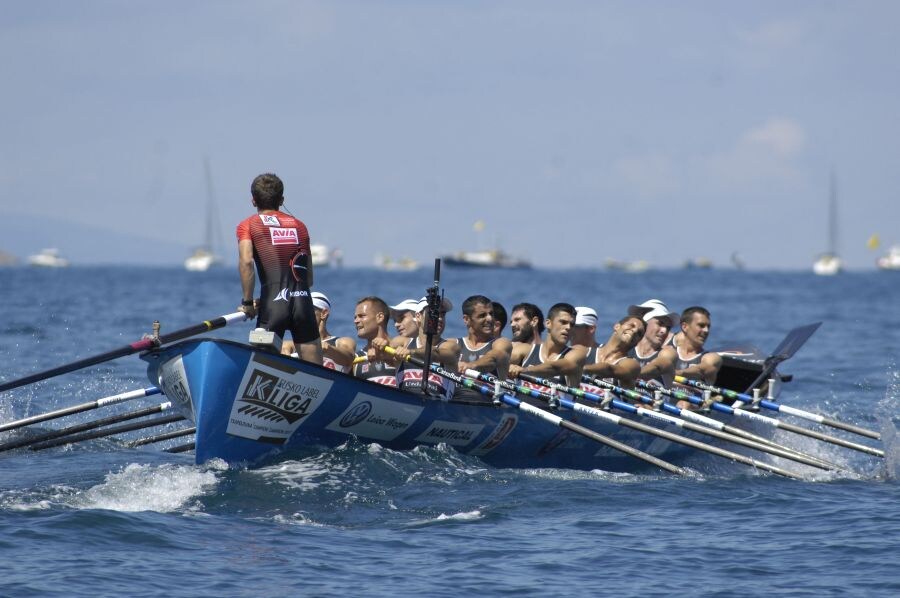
[
  {"x": 829, "y": 264},
  {"x": 204, "y": 257}
]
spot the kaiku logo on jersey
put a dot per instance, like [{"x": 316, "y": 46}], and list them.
[
  {"x": 269, "y": 219},
  {"x": 284, "y": 236}
]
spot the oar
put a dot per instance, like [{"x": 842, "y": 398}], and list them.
[
  {"x": 776, "y": 423},
  {"x": 161, "y": 437},
  {"x": 141, "y": 425},
  {"x": 62, "y": 432},
  {"x": 135, "y": 347},
  {"x": 609, "y": 417},
  {"x": 689, "y": 421},
  {"x": 432, "y": 315},
  {"x": 182, "y": 448},
  {"x": 549, "y": 417},
  {"x": 791, "y": 343},
  {"x": 708, "y": 421},
  {"x": 111, "y": 400},
  {"x": 772, "y": 406}
]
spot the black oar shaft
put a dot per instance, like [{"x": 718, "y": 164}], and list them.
[
  {"x": 135, "y": 347},
  {"x": 70, "y": 430},
  {"x": 182, "y": 448},
  {"x": 158, "y": 421},
  {"x": 161, "y": 437}
]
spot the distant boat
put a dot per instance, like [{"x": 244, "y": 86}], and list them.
[
  {"x": 490, "y": 258},
  {"x": 829, "y": 264},
  {"x": 204, "y": 257},
  {"x": 891, "y": 261},
  {"x": 635, "y": 267},
  {"x": 47, "y": 258},
  {"x": 404, "y": 264},
  {"x": 201, "y": 260},
  {"x": 322, "y": 256},
  {"x": 698, "y": 263}
]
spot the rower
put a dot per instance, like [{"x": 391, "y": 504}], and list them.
[
  {"x": 555, "y": 358},
  {"x": 371, "y": 318},
  {"x": 404, "y": 316},
  {"x": 527, "y": 326},
  {"x": 479, "y": 349},
  {"x": 612, "y": 359},
  {"x": 693, "y": 360},
  {"x": 445, "y": 352},
  {"x": 657, "y": 359}
]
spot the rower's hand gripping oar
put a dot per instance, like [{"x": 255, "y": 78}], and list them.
[
  {"x": 142, "y": 345},
  {"x": 547, "y": 416},
  {"x": 772, "y": 406}
]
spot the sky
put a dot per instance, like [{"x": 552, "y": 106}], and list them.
[{"x": 576, "y": 131}]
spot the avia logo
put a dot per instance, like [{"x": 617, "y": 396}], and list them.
[
  {"x": 269, "y": 219},
  {"x": 284, "y": 236},
  {"x": 273, "y": 399},
  {"x": 356, "y": 415}
]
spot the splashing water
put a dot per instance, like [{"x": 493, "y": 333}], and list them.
[
  {"x": 162, "y": 488},
  {"x": 887, "y": 408}
]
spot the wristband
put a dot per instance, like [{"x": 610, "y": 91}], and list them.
[{"x": 247, "y": 302}]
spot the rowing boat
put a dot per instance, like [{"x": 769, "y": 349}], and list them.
[{"x": 251, "y": 405}]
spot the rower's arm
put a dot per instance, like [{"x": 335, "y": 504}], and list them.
[
  {"x": 626, "y": 372},
  {"x": 706, "y": 370},
  {"x": 664, "y": 363},
  {"x": 569, "y": 364},
  {"x": 343, "y": 352},
  {"x": 246, "y": 268},
  {"x": 495, "y": 359}
]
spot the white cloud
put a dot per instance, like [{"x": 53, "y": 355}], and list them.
[{"x": 780, "y": 136}]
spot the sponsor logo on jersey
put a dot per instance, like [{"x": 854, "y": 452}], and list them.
[
  {"x": 283, "y": 294},
  {"x": 269, "y": 219},
  {"x": 284, "y": 236}
]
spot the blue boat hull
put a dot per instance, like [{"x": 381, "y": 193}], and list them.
[{"x": 251, "y": 406}]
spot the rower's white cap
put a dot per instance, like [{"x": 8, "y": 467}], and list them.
[
  {"x": 654, "y": 308},
  {"x": 405, "y": 305},
  {"x": 446, "y": 305},
  {"x": 320, "y": 301},
  {"x": 585, "y": 316}
]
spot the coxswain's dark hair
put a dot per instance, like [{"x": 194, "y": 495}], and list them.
[
  {"x": 267, "y": 191},
  {"x": 468, "y": 306},
  {"x": 531, "y": 311},
  {"x": 561, "y": 307}
]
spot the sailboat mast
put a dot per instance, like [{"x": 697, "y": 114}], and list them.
[{"x": 832, "y": 215}]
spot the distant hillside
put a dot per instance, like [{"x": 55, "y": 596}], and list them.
[{"x": 84, "y": 245}]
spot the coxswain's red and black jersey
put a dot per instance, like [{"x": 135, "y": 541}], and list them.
[{"x": 281, "y": 252}]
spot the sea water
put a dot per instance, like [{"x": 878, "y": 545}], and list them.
[{"x": 100, "y": 519}]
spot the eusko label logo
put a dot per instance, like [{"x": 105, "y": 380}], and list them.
[{"x": 356, "y": 415}]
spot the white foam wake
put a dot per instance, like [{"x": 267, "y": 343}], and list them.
[{"x": 161, "y": 488}]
